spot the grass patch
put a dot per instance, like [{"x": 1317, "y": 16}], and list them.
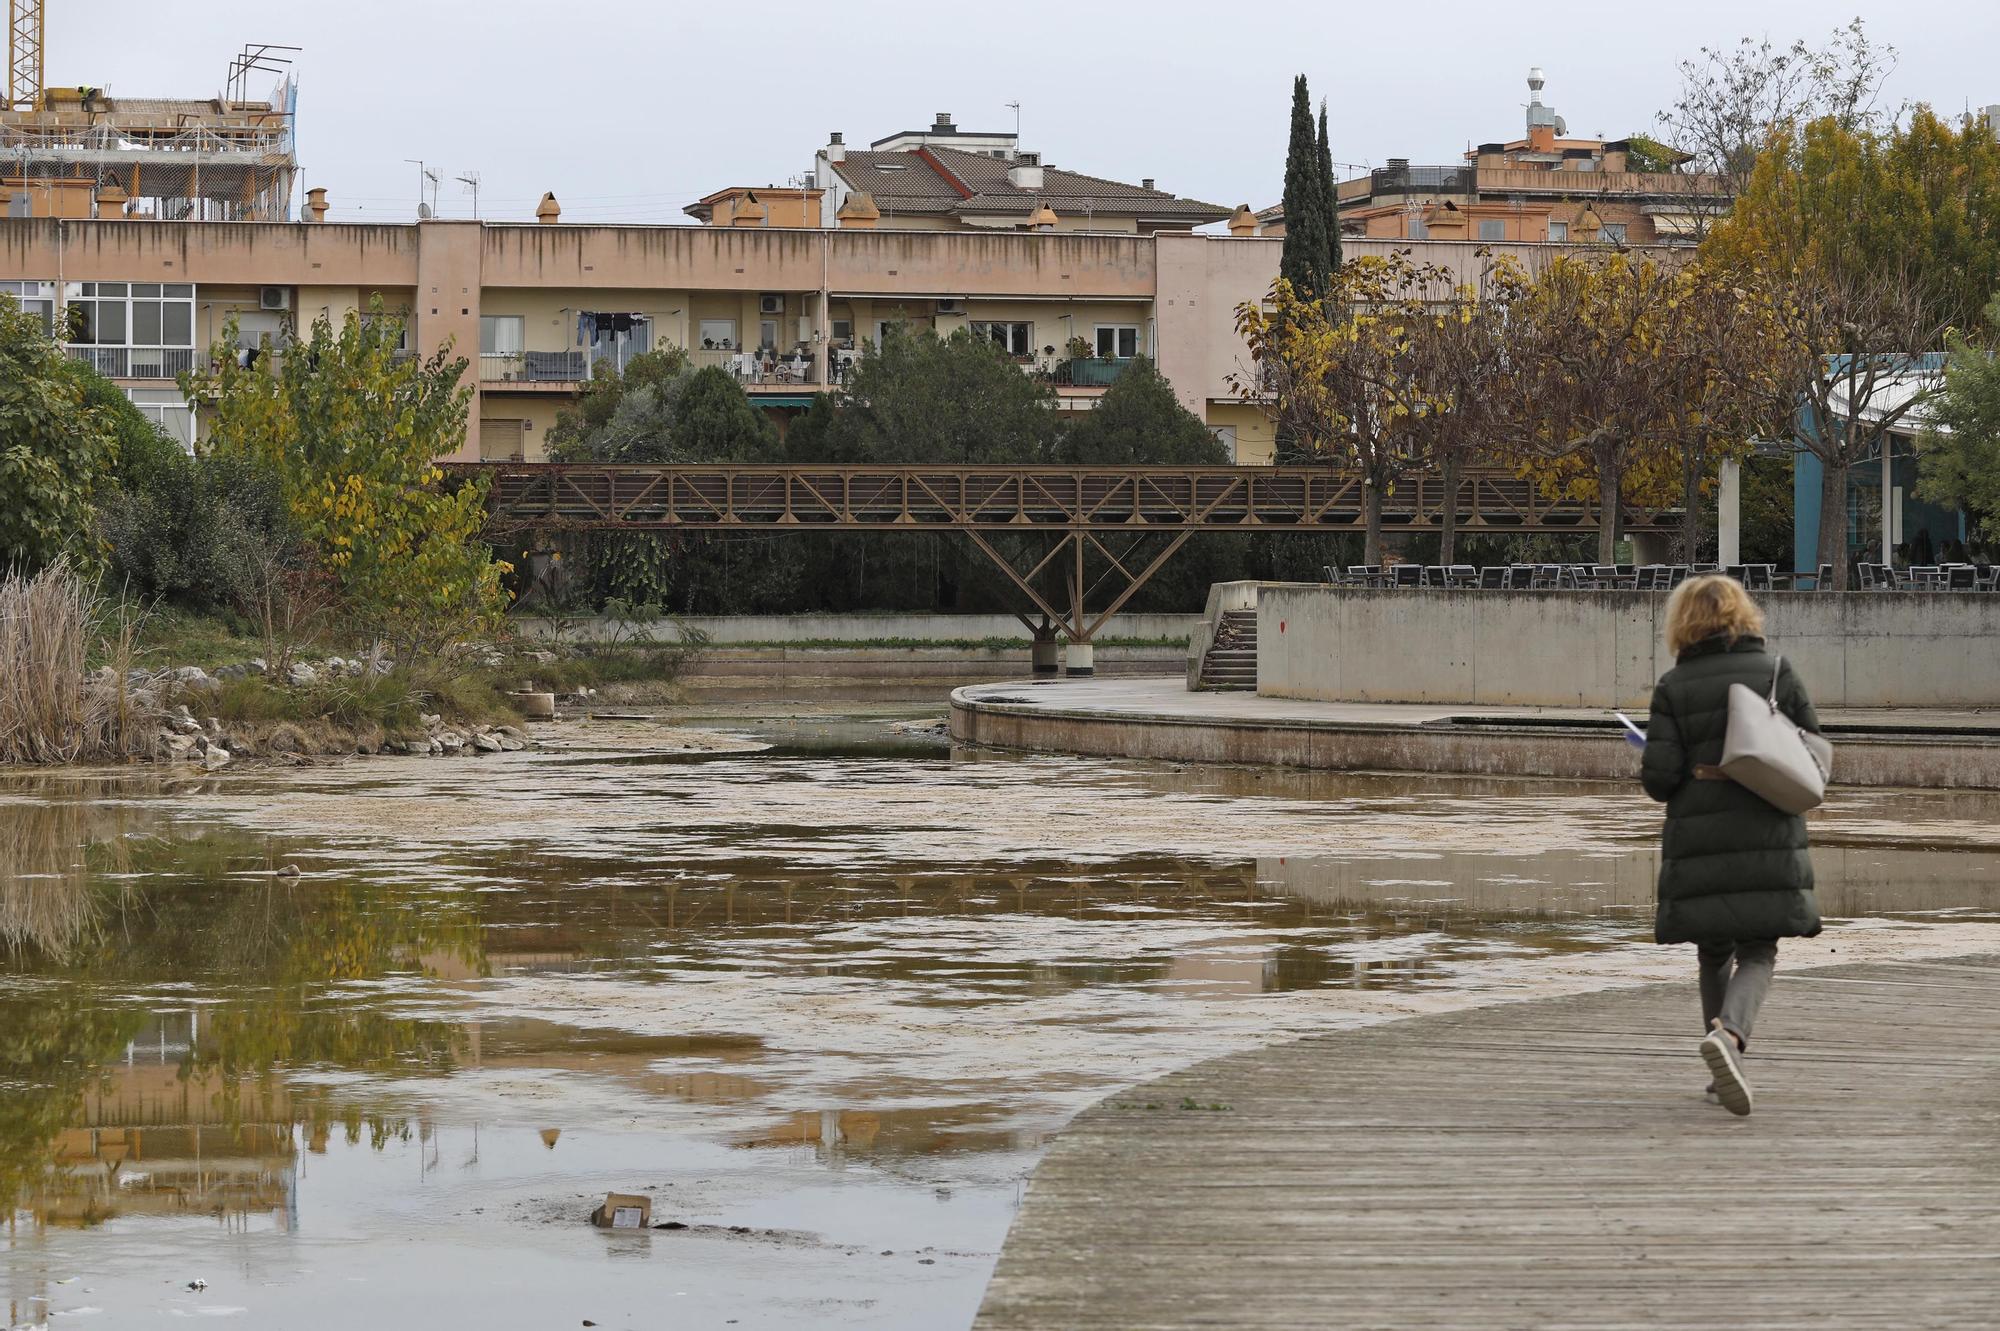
[
  {"x": 588, "y": 669},
  {"x": 171, "y": 637}
]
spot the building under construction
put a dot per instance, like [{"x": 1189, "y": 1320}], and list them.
[{"x": 80, "y": 152}]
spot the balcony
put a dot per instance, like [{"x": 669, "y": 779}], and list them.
[
  {"x": 1090, "y": 371},
  {"x": 136, "y": 362},
  {"x": 755, "y": 369},
  {"x": 551, "y": 368}
]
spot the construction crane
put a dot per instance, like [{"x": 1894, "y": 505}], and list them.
[{"x": 24, "y": 53}]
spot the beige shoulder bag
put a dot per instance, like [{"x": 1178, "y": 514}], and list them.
[{"x": 1772, "y": 755}]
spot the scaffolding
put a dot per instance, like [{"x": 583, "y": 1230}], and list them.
[{"x": 81, "y": 153}]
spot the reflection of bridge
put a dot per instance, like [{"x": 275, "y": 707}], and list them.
[{"x": 1106, "y": 517}]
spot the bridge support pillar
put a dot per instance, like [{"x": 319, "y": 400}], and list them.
[
  {"x": 1044, "y": 654},
  {"x": 1079, "y": 658}
]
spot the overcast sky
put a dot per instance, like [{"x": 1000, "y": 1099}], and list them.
[{"x": 629, "y": 112}]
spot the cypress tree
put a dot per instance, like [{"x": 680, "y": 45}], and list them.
[
  {"x": 1329, "y": 195},
  {"x": 1303, "y": 262}
]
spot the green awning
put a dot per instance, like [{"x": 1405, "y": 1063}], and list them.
[{"x": 766, "y": 400}]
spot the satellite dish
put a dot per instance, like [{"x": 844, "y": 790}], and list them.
[{"x": 423, "y": 212}]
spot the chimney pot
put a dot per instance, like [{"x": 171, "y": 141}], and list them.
[
  {"x": 835, "y": 137},
  {"x": 1146, "y": 183},
  {"x": 548, "y": 212},
  {"x": 316, "y": 204},
  {"x": 943, "y": 120}
]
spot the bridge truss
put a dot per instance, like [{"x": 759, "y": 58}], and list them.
[{"x": 1091, "y": 529}]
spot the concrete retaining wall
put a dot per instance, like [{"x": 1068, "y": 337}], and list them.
[
  {"x": 1605, "y": 649},
  {"x": 884, "y": 627}
]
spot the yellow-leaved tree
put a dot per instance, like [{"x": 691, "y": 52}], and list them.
[{"x": 355, "y": 431}]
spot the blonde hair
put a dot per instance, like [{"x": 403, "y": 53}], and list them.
[{"x": 1708, "y": 606}]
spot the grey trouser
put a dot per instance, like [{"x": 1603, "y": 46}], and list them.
[{"x": 1734, "y": 979}]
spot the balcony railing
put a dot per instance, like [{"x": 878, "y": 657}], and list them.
[
  {"x": 534, "y": 367},
  {"x": 136, "y": 362},
  {"x": 1407, "y": 179},
  {"x": 1091, "y": 371},
  {"x": 763, "y": 368}
]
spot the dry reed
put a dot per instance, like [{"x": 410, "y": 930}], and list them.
[{"x": 50, "y": 712}]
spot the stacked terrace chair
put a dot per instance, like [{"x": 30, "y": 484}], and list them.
[
  {"x": 1869, "y": 575},
  {"x": 1760, "y": 577},
  {"x": 1520, "y": 577},
  {"x": 1824, "y": 582},
  {"x": 1409, "y": 575},
  {"x": 1494, "y": 577},
  {"x": 1364, "y": 575},
  {"x": 1435, "y": 576},
  {"x": 1961, "y": 578},
  {"x": 1990, "y": 579},
  {"x": 1628, "y": 570},
  {"x": 1652, "y": 578},
  {"x": 1733, "y": 571},
  {"x": 1331, "y": 576},
  {"x": 1462, "y": 575}
]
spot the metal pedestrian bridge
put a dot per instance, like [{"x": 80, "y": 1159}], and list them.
[{"x": 1097, "y": 529}]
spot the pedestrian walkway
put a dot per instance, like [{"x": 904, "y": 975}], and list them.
[
  {"x": 1158, "y": 717},
  {"x": 1546, "y": 1165}
]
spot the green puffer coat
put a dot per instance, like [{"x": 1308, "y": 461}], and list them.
[{"x": 1732, "y": 867}]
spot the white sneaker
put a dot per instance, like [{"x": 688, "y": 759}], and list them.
[{"x": 1725, "y": 1065}]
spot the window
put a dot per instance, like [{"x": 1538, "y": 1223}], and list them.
[
  {"x": 132, "y": 330},
  {"x": 1492, "y": 229},
  {"x": 843, "y": 331},
  {"x": 718, "y": 334},
  {"x": 1559, "y": 231},
  {"x": 1016, "y": 339},
  {"x": 370, "y": 319},
  {"x": 501, "y": 334},
  {"x": 1613, "y": 233},
  {"x": 1226, "y": 436},
  {"x": 37, "y": 299},
  {"x": 767, "y": 335},
  {"x": 166, "y": 408},
  {"x": 1419, "y": 230},
  {"x": 1117, "y": 341}
]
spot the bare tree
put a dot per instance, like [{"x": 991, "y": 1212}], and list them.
[
  {"x": 1732, "y": 98},
  {"x": 1856, "y": 372}
]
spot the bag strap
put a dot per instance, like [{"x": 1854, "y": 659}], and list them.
[{"x": 1777, "y": 665}]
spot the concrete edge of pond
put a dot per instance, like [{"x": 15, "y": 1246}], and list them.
[
  {"x": 1156, "y": 717},
  {"x": 1549, "y": 1162}
]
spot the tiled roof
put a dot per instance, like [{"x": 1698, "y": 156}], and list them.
[{"x": 947, "y": 181}]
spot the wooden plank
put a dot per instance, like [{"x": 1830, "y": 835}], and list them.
[{"x": 1546, "y": 1165}]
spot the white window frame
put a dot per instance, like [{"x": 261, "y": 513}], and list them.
[
  {"x": 128, "y": 296},
  {"x": 1117, "y": 332},
  {"x": 1499, "y": 225},
  {"x": 1017, "y": 335},
  {"x": 34, "y": 298},
  {"x": 721, "y": 332},
  {"x": 1559, "y": 233},
  {"x": 1612, "y": 233}
]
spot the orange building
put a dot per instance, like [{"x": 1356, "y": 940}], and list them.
[{"x": 1545, "y": 186}]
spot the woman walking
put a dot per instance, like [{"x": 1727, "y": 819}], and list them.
[{"x": 1734, "y": 873}]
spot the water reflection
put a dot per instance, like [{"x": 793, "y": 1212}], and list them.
[{"x": 899, "y": 970}]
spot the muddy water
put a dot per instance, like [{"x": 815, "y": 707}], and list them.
[{"x": 822, "y": 997}]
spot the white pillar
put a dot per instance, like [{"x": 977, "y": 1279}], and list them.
[
  {"x": 1079, "y": 658},
  {"x": 1729, "y": 514}
]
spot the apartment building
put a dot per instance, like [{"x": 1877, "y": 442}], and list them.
[
  {"x": 541, "y": 308},
  {"x": 1545, "y": 186}
]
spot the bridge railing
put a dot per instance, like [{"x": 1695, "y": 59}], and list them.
[{"x": 892, "y": 497}]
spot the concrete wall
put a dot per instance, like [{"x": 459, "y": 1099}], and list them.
[
  {"x": 723, "y": 629},
  {"x": 1605, "y": 649}
]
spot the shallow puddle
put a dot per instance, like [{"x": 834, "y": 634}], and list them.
[{"x": 823, "y": 1001}]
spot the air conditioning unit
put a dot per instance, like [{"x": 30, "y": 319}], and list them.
[
  {"x": 951, "y": 307},
  {"x": 770, "y": 304},
  {"x": 274, "y": 298}
]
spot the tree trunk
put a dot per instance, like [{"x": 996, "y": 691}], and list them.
[
  {"x": 1833, "y": 521},
  {"x": 1371, "y": 521},
  {"x": 1608, "y": 505},
  {"x": 1448, "y": 475},
  {"x": 1690, "y": 510}
]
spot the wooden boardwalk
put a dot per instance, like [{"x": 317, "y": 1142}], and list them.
[{"x": 1546, "y": 1165}]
